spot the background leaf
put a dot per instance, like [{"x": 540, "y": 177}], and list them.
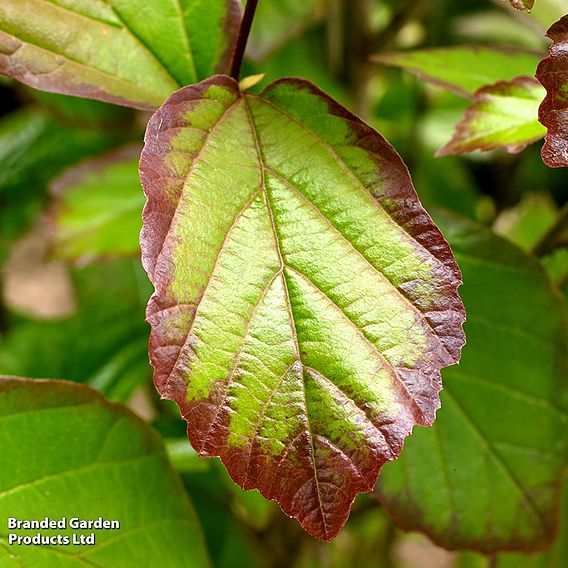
[
  {"x": 122, "y": 51},
  {"x": 464, "y": 69},
  {"x": 98, "y": 208},
  {"x": 34, "y": 148},
  {"x": 552, "y": 72},
  {"x": 504, "y": 114},
  {"x": 302, "y": 333},
  {"x": 488, "y": 474},
  {"x": 67, "y": 452},
  {"x": 276, "y": 21}
]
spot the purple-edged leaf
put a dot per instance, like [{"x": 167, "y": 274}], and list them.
[
  {"x": 504, "y": 114},
  {"x": 488, "y": 475},
  {"x": 97, "y": 208},
  {"x": 463, "y": 69},
  {"x": 553, "y": 113},
  {"x": 524, "y": 5},
  {"x": 121, "y": 51},
  {"x": 304, "y": 301}
]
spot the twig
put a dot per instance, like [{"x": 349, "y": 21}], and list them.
[
  {"x": 242, "y": 40},
  {"x": 552, "y": 240}
]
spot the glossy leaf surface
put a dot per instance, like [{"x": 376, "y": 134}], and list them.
[
  {"x": 553, "y": 74},
  {"x": 464, "y": 69},
  {"x": 98, "y": 207},
  {"x": 67, "y": 450},
  {"x": 304, "y": 302},
  {"x": 487, "y": 475},
  {"x": 504, "y": 114},
  {"x": 121, "y": 51}
]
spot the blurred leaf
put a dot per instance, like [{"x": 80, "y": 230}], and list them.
[
  {"x": 546, "y": 12},
  {"x": 35, "y": 147},
  {"x": 501, "y": 115},
  {"x": 98, "y": 208},
  {"x": 528, "y": 221},
  {"x": 104, "y": 344},
  {"x": 278, "y": 21},
  {"x": 555, "y": 557},
  {"x": 463, "y": 69},
  {"x": 552, "y": 72},
  {"x": 65, "y": 446},
  {"x": 267, "y": 258},
  {"x": 51, "y": 46},
  {"x": 503, "y": 28},
  {"x": 487, "y": 475}
]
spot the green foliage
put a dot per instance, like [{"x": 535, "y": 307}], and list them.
[
  {"x": 49, "y": 45},
  {"x": 304, "y": 301},
  {"x": 98, "y": 207},
  {"x": 464, "y": 69},
  {"x": 291, "y": 261},
  {"x": 476, "y": 479},
  {"x": 68, "y": 445},
  {"x": 503, "y": 114},
  {"x": 103, "y": 343}
]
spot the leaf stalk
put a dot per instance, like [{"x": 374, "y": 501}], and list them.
[{"x": 242, "y": 39}]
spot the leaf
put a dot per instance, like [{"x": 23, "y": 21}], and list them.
[
  {"x": 552, "y": 72},
  {"x": 487, "y": 475},
  {"x": 464, "y": 69},
  {"x": 34, "y": 148},
  {"x": 524, "y": 5},
  {"x": 504, "y": 114},
  {"x": 120, "y": 51},
  {"x": 304, "y": 300},
  {"x": 555, "y": 557},
  {"x": 98, "y": 207},
  {"x": 276, "y": 21},
  {"x": 70, "y": 453}
]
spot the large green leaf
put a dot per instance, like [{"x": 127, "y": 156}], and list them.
[
  {"x": 304, "y": 302},
  {"x": 464, "y": 69},
  {"x": 552, "y": 72},
  {"x": 67, "y": 452},
  {"x": 98, "y": 208},
  {"x": 501, "y": 115},
  {"x": 487, "y": 475},
  {"x": 128, "y": 52}
]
